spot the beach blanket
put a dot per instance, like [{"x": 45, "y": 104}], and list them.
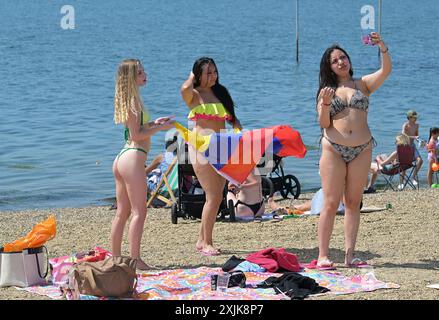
[
  {"x": 194, "y": 284},
  {"x": 264, "y": 217}
]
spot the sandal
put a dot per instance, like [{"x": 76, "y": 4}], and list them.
[
  {"x": 324, "y": 264},
  {"x": 357, "y": 263},
  {"x": 209, "y": 253}
]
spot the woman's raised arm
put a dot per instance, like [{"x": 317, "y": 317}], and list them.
[
  {"x": 187, "y": 89},
  {"x": 374, "y": 80}
]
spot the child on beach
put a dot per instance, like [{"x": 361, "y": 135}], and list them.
[
  {"x": 411, "y": 129},
  {"x": 433, "y": 152},
  {"x": 342, "y": 104},
  {"x": 129, "y": 165}
]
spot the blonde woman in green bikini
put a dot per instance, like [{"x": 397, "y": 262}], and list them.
[
  {"x": 210, "y": 106},
  {"x": 129, "y": 165}
]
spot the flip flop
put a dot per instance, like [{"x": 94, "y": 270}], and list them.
[
  {"x": 277, "y": 218},
  {"x": 323, "y": 265},
  {"x": 358, "y": 263},
  {"x": 257, "y": 219},
  {"x": 209, "y": 253}
]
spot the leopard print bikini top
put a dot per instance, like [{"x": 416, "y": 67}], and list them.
[{"x": 358, "y": 101}]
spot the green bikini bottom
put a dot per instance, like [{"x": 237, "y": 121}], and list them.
[{"x": 126, "y": 149}]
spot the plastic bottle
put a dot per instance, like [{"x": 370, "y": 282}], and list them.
[{"x": 368, "y": 274}]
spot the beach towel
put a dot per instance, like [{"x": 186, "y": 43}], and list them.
[
  {"x": 194, "y": 284},
  {"x": 61, "y": 265},
  {"x": 265, "y": 217}
]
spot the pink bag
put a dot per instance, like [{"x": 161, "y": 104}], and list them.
[{"x": 61, "y": 266}]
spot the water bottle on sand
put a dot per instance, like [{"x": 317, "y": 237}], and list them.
[{"x": 368, "y": 274}]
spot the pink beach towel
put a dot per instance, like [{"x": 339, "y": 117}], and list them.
[{"x": 61, "y": 265}]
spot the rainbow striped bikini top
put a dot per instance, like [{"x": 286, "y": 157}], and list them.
[{"x": 210, "y": 111}]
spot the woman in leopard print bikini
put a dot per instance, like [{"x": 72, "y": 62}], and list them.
[{"x": 342, "y": 106}]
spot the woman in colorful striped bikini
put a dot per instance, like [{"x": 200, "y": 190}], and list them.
[{"x": 210, "y": 106}]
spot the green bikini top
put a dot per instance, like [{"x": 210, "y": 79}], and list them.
[{"x": 144, "y": 118}]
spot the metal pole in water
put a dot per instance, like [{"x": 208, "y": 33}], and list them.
[
  {"x": 379, "y": 23},
  {"x": 297, "y": 30}
]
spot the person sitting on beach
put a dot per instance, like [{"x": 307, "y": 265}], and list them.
[
  {"x": 247, "y": 199},
  {"x": 411, "y": 129},
  {"x": 370, "y": 188},
  {"x": 387, "y": 162},
  {"x": 129, "y": 165},
  {"x": 160, "y": 164},
  {"x": 433, "y": 153},
  {"x": 370, "y": 185},
  {"x": 342, "y": 104},
  {"x": 312, "y": 206}
]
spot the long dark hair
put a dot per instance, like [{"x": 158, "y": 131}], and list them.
[
  {"x": 433, "y": 131},
  {"x": 327, "y": 78},
  {"x": 219, "y": 90}
]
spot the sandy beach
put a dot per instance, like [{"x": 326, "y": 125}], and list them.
[{"x": 401, "y": 243}]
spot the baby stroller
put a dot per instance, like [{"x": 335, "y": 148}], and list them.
[
  {"x": 285, "y": 184},
  {"x": 191, "y": 197}
]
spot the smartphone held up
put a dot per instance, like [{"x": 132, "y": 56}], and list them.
[{"x": 367, "y": 40}]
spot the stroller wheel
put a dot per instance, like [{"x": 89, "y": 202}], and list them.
[
  {"x": 291, "y": 185},
  {"x": 174, "y": 213},
  {"x": 267, "y": 187},
  {"x": 231, "y": 207}
]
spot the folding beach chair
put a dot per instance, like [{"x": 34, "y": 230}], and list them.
[
  {"x": 167, "y": 185},
  {"x": 404, "y": 167}
]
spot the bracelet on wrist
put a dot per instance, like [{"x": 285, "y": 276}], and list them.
[
  {"x": 325, "y": 104},
  {"x": 385, "y": 51}
]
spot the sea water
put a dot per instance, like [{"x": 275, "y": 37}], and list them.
[{"x": 58, "y": 70}]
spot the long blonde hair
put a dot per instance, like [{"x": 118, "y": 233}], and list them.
[
  {"x": 402, "y": 139},
  {"x": 126, "y": 96}
]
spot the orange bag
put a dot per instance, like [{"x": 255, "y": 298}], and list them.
[{"x": 40, "y": 233}]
